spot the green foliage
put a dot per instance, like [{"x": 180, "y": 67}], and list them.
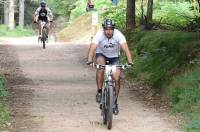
[
  {"x": 185, "y": 89},
  {"x": 173, "y": 13},
  {"x": 61, "y": 7},
  {"x": 81, "y": 7},
  {"x": 4, "y": 112},
  {"x": 118, "y": 14},
  {"x": 170, "y": 61},
  {"x": 17, "y": 32},
  {"x": 3, "y": 92},
  {"x": 160, "y": 55},
  {"x": 184, "y": 92},
  {"x": 194, "y": 24},
  {"x": 79, "y": 10},
  {"x": 4, "y": 115},
  {"x": 194, "y": 126},
  {"x": 30, "y": 7}
]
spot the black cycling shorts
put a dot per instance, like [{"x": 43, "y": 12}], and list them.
[
  {"x": 43, "y": 18},
  {"x": 109, "y": 61}
]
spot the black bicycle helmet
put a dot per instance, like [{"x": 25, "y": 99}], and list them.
[
  {"x": 108, "y": 23},
  {"x": 43, "y": 3}
]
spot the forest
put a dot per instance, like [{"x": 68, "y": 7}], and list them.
[{"x": 163, "y": 35}]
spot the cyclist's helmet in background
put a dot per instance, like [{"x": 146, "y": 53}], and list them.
[
  {"x": 108, "y": 23},
  {"x": 43, "y": 3}
]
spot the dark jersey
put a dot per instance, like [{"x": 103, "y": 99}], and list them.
[{"x": 43, "y": 15}]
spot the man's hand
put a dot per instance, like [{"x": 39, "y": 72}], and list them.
[
  {"x": 90, "y": 63},
  {"x": 130, "y": 63}
]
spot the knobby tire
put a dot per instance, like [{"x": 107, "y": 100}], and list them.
[{"x": 110, "y": 100}]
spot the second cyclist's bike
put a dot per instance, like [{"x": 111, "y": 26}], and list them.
[{"x": 44, "y": 36}]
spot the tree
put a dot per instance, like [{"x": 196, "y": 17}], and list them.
[
  {"x": 21, "y": 13},
  {"x": 130, "y": 15},
  {"x": 6, "y": 13},
  {"x": 11, "y": 15},
  {"x": 149, "y": 10}
]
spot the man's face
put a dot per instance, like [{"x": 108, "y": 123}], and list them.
[
  {"x": 108, "y": 32},
  {"x": 43, "y": 8}
]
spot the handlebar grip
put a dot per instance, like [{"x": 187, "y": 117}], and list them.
[
  {"x": 130, "y": 64},
  {"x": 88, "y": 63}
]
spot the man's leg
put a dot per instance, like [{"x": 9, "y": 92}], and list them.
[
  {"x": 47, "y": 27},
  {"x": 39, "y": 27},
  {"x": 37, "y": 24},
  {"x": 116, "y": 77},
  {"x": 99, "y": 77}
]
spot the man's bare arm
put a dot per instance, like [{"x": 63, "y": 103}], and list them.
[
  {"x": 91, "y": 52},
  {"x": 127, "y": 52}
]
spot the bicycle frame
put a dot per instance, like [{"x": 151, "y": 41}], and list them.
[
  {"x": 43, "y": 33},
  {"x": 110, "y": 70},
  {"x": 42, "y": 25}
]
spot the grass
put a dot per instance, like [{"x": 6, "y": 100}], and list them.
[
  {"x": 4, "y": 111},
  {"x": 184, "y": 92},
  {"x": 4, "y": 115},
  {"x": 170, "y": 61},
  {"x": 3, "y": 92},
  {"x": 72, "y": 33},
  {"x": 17, "y": 32}
]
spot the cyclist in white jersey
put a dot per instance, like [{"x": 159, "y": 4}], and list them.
[{"x": 106, "y": 45}]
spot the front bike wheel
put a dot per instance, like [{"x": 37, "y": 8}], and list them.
[
  {"x": 44, "y": 44},
  {"x": 109, "y": 104},
  {"x": 44, "y": 37},
  {"x": 104, "y": 107}
]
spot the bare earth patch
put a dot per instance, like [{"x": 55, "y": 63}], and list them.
[{"x": 52, "y": 90}]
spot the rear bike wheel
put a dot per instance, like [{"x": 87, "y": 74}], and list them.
[{"x": 109, "y": 104}]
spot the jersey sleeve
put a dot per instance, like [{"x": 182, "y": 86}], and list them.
[
  {"x": 121, "y": 37},
  {"x": 97, "y": 37},
  {"x": 49, "y": 12},
  {"x": 37, "y": 11}
]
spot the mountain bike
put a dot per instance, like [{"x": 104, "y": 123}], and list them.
[
  {"x": 44, "y": 35},
  {"x": 109, "y": 94}
]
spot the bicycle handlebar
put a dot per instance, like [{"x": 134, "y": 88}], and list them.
[{"x": 122, "y": 67}]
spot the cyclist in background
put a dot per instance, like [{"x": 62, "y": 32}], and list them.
[
  {"x": 43, "y": 13},
  {"x": 90, "y": 5},
  {"x": 107, "y": 43}
]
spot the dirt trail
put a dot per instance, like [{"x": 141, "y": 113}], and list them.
[{"x": 53, "y": 91}]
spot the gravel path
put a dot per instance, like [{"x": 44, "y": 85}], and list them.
[{"x": 53, "y": 91}]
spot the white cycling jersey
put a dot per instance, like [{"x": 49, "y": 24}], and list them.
[{"x": 109, "y": 47}]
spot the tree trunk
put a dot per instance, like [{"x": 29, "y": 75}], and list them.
[
  {"x": 21, "y": 13},
  {"x": 11, "y": 15},
  {"x": 6, "y": 13},
  {"x": 198, "y": 1},
  {"x": 142, "y": 21},
  {"x": 130, "y": 15},
  {"x": 149, "y": 10}
]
